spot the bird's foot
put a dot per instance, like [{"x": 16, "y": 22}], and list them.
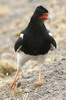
[{"x": 37, "y": 83}]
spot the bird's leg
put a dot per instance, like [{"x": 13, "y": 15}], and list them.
[
  {"x": 14, "y": 80},
  {"x": 18, "y": 69},
  {"x": 39, "y": 76},
  {"x": 39, "y": 81},
  {"x": 21, "y": 59}
]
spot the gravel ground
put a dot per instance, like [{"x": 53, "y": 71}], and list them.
[{"x": 14, "y": 16}]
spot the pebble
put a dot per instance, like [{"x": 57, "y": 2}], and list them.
[
  {"x": 25, "y": 76},
  {"x": 28, "y": 90},
  {"x": 50, "y": 91},
  {"x": 64, "y": 58},
  {"x": 64, "y": 71},
  {"x": 18, "y": 84}
]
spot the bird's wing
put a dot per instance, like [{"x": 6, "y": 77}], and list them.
[
  {"x": 50, "y": 34},
  {"x": 53, "y": 44},
  {"x": 52, "y": 47},
  {"x": 18, "y": 44}
]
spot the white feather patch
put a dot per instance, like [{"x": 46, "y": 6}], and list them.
[
  {"x": 52, "y": 47},
  {"x": 50, "y": 34},
  {"x": 19, "y": 49},
  {"x": 21, "y": 35}
]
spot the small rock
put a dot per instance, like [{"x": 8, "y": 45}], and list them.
[
  {"x": 50, "y": 91},
  {"x": 64, "y": 71},
  {"x": 18, "y": 84},
  {"x": 27, "y": 75},
  {"x": 64, "y": 58},
  {"x": 27, "y": 90}
]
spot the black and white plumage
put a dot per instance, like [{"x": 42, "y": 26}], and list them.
[{"x": 35, "y": 40}]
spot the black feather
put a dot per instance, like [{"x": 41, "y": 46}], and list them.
[
  {"x": 18, "y": 44},
  {"x": 53, "y": 42}
]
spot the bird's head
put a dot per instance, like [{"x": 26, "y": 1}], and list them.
[{"x": 41, "y": 13}]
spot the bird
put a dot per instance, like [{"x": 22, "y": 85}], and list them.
[{"x": 34, "y": 42}]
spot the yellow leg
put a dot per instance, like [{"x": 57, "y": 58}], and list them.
[
  {"x": 39, "y": 82},
  {"x": 14, "y": 80},
  {"x": 39, "y": 76}
]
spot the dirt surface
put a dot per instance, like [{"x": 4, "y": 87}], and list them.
[{"x": 14, "y": 16}]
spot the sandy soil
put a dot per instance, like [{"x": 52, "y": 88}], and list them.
[{"x": 14, "y": 16}]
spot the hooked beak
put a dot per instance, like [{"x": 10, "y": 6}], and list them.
[
  {"x": 49, "y": 17},
  {"x": 46, "y": 16}
]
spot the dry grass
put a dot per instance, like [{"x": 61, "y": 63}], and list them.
[
  {"x": 6, "y": 68},
  {"x": 16, "y": 34},
  {"x": 4, "y": 10},
  {"x": 4, "y": 30}
]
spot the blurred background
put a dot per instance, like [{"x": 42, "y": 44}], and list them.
[{"x": 14, "y": 17}]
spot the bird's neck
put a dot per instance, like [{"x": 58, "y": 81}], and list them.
[{"x": 36, "y": 23}]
